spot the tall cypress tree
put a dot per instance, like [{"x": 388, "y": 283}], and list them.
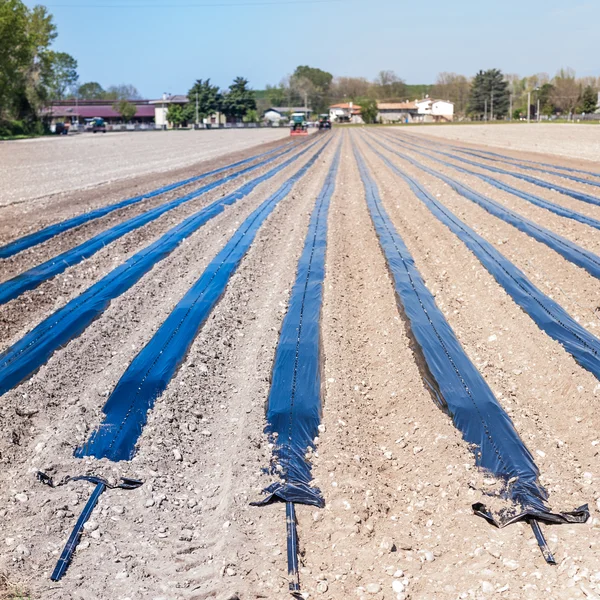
[{"x": 491, "y": 87}]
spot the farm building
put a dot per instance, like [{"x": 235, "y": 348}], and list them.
[
  {"x": 435, "y": 110},
  {"x": 397, "y": 112},
  {"x": 161, "y": 108},
  {"x": 346, "y": 112},
  {"x": 77, "y": 111},
  {"x": 419, "y": 111}
]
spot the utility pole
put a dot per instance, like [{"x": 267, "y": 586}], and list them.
[
  {"x": 528, "y": 107},
  {"x": 538, "y": 109},
  {"x": 197, "y": 121},
  {"x": 485, "y": 110},
  {"x": 492, "y": 107}
]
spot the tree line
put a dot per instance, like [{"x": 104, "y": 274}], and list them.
[
  {"x": 491, "y": 94},
  {"x": 238, "y": 102}
]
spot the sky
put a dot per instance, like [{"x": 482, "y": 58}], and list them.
[{"x": 165, "y": 45}]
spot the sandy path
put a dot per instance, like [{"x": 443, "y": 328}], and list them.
[{"x": 35, "y": 168}]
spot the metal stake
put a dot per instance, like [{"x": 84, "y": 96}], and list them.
[
  {"x": 541, "y": 540},
  {"x": 292, "y": 547}
]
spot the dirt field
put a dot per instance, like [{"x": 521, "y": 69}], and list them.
[
  {"x": 397, "y": 477},
  {"x": 44, "y": 166},
  {"x": 569, "y": 140}
]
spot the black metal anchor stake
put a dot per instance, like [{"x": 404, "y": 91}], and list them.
[{"x": 101, "y": 484}]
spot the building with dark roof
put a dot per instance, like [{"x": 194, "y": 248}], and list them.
[{"x": 77, "y": 111}]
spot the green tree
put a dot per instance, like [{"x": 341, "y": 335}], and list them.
[
  {"x": 91, "y": 91},
  {"x": 16, "y": 53},
  {"x": 251, "y": 116},
  {"x": 208, "y": 98},
  {"x": 368, "y": 110},
  {"x": 320, "y": 83},
  {"x": 589, "y": 100},
  {"x": 63, "y": 74},
  {"x": 276, "y": 95},
  {"x": 489, "y": 88},
  {"x": 176, "y": 115},
  {"x": 545, "y": 98},
  {"x": 126, "y": 109},
  {"x": 238, "y": 100}
]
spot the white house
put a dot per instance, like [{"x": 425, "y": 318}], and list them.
[
  {"x": 346, "y": 112},
  {"x": 435, "y": 110},
  {"x": 161, "y": 108}
]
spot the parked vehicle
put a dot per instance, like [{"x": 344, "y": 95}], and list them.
[{"x": 96, "y": 125}]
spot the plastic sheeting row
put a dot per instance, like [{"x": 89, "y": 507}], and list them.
[
  {"x": 539, "y": 182},
  {"x": 294, "y": 405},
  {"x": 569, "y": 250},
  {"x": 150, "y": 372},
  {"x": 548, "y": 315},
  {"x": 457, "y": 384},
  {"x": 532, "y": 162},
  {"x": 523, "y": 165},
  {"x": 38, "y": 237},
  {"x": 28, "y": 354},
  {"x": 557, "y": 209},
  {"x": 11, "y": 289}
]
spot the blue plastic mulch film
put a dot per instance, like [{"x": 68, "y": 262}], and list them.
[
  {"x": 572, "y": 252},
  {"x": 547, "y": 314},
  {"x": 539, "y": 182},
  {"x": 531, "y": 198},
  {"x": 529, "y": 167},
  {"x": 149, "y": 373},
  {"x": 521, "y": 161},
  {"x": 294, "y": 405},
  {"x": 32, "y": 278},
  {"x": 26, "y": 356},
  {"x": 33, "y": 239},
  {"x": 458, "y": 385}
]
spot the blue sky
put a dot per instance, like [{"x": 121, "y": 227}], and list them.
[{"x": 163, "y": 46}]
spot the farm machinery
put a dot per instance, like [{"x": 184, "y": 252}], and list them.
[
  {"x": 324, "y": 121},
  {"x": 298, "y": 124}
]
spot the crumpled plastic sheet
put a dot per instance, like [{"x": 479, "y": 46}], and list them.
[
  {"x": 536, "y": 200},
  {"x": 458, "y": 386},
  {"x": 150, "y": 372},
  {"x": 548, "y": 315},
  {"x": 23, "y": 358},
  {"x": 572, "y": 252},
  {"x": 294, "y": 405},
  {"x": 539, "y": 182},
  {"x": 33, "y": 239},
  {"x": 28, "y": 280}
]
